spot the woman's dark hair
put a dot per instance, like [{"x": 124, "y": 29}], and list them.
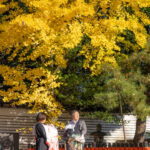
[{"x": 41, "y": 116}]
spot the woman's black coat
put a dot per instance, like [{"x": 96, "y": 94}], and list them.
[{"x": 40, "y": 137}]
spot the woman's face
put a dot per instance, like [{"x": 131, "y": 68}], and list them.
[{"x": 43, "y": 121}]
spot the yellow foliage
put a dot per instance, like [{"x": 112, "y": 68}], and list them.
[{"x": 48, "y": 29}]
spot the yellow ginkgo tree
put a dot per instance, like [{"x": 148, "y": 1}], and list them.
[{"x": 36, "y": 35}]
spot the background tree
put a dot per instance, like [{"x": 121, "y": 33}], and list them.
[
  {"x": 36, "y": 35},
  {"x": 79, "y": 86},
  {"x": 128, "y": 87}
]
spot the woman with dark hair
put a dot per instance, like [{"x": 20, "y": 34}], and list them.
[{"x": 41, "y": 139}]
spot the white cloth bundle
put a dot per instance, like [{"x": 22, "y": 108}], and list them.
[
  {"x": 70, "y": 126},
  {"x": 52, "y": 136}
]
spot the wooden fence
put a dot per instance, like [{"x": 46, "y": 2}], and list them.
[{"x": 12, "y": 119}]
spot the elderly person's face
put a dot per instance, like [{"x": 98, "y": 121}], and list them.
[{"x": 75, "y": 116}]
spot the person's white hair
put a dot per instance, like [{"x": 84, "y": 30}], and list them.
[{"x": 74, "y": 111}]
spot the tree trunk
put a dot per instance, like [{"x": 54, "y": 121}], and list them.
[
  {"x": 122, "y": 120},
  {"x": 140, "y": 131}
]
